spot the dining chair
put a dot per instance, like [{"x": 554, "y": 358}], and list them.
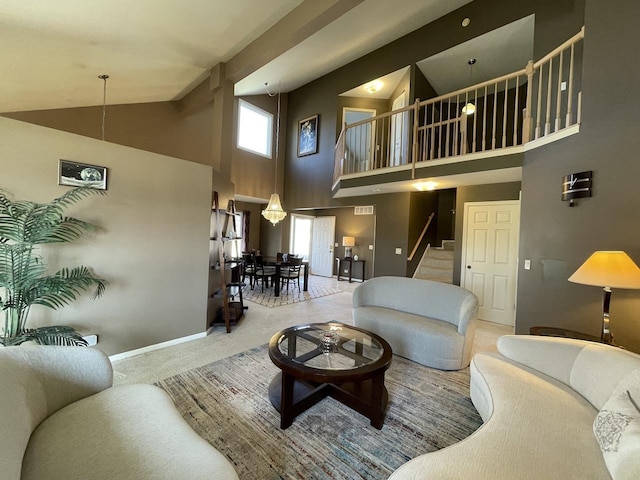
[
  {"x": 292, "y": 272},
  {"x": 248, "y": 268},
  {"x": 263, "y": 272}
]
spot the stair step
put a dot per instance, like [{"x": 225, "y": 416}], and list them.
[
  {"x": 435, "y": 279},
  {"x": 440, "y": 253},
  {"x": 448, "y": 244},
  {"x": 438, "y": 262},
  {"x": 435, "y": 272}
]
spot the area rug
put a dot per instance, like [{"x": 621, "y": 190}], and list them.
[
  {"x": 227, "y": 403},
  {"x": 267, "y": 298}
]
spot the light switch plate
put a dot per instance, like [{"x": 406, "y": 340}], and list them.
[
  {"x": 336, "y": 245},
  {"x": 398, "y": 251},
  {"x": 370, "y": 247},
  {"x": 527, "y": 264}
]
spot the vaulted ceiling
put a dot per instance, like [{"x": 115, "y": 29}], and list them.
[{"x": 158, "y": 50}]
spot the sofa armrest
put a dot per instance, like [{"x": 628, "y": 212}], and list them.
[
  {"x": 552, "y": 356},
  {"x": 63, "y": 375},
  {"x": 37, "y": 381}
]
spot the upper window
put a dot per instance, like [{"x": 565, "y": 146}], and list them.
[{"x": 255, "y": 129}]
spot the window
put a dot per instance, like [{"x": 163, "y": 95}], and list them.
[
  {"x": 301, "y": 235},
  {"x": 255, "y": 129}
]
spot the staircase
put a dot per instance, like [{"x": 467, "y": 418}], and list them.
[{"x": 437, "y": 264}]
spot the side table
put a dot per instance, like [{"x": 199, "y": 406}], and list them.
[{"x": 350, "y": 268}]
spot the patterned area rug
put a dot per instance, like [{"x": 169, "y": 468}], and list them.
[
  {"x": 227, "y": 403},
  {"x": 286, "y": 297}
]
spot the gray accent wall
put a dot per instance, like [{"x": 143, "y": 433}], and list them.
[{"x": 557, "y": 238}]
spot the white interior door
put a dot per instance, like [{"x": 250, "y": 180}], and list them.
[
  {"x": 322, "y": 246},
  {"x": 490, "y": 257},
  {"x": 359, "y": 142}
]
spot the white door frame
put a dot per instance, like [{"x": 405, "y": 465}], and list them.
[
  {"x": 399, "y": 128},
  {"x": 463, "y": 263}
]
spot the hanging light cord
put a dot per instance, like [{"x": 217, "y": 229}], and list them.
[
  {"x": 275, "y": 189},
  {"x": 104, "y": 102}
]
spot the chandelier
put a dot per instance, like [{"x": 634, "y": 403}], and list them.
[{"x": 274, "y": 211}]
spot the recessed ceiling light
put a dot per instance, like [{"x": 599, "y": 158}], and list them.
[
  {"x": 466, "y": 22},
  {"x": 373, "y": 87}
]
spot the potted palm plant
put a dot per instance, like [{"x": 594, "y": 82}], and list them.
[{"x": 24, "y": 280}]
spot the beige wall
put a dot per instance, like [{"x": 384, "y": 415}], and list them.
[
  {"x": 151, "y": 244},
  {"x": 154, "y": 127}
]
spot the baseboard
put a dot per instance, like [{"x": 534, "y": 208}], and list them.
[{"x": 157, "y": 346}]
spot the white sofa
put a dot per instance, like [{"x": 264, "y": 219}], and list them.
[
  {"x": 541, "y": 400},
  {"x": 61, "y": 419},
  {"x": 428, "y": 322}
]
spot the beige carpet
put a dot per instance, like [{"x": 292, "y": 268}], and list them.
[{"x": 267, "y": 298}]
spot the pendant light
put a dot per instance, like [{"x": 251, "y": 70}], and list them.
[
  {"x": 470, "y": 108},
  {"x": 274, "y": 212},
  {"x": 104, "y": 101}
]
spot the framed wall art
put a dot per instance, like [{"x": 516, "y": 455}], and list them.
[
  {"x": 308, "y": 136},
  {"x": 77, "y": 174}
]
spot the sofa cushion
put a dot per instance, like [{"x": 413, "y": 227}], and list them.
[
  {"x": 617, "y": 429},
  {"x": 539, "y": 429},
  {"x": 125, "y": 432},
  {"x": 421, "y": 339},
  {"x": 440, "y": 301}
]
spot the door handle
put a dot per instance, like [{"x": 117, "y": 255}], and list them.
[{"x": 469, "y": 267}]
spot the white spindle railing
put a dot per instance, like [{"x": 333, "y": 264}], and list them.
[{"x": 438, "y": 127}]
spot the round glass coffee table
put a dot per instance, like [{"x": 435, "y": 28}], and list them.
[{"x": 329, "y": 359}]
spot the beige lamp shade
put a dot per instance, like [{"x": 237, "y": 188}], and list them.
[
  {"x": 608, "y": 269},
  {"x": 348, "y": 241}
]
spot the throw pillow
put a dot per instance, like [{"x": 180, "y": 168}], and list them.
[{"x": 617, "y": 429}]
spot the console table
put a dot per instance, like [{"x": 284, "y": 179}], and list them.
[{"x": 350, "y": 268}]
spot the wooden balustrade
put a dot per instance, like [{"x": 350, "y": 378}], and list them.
[{"x": 510, "y": 111}]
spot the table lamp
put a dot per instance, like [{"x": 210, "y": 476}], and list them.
[
  {"x": 348, "y": 243},
  {"x": 608, "y": 270}
]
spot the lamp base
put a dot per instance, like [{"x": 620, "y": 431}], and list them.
[
  {"x": 606, "y": 336},
  {"x": 347, "y": 252}
]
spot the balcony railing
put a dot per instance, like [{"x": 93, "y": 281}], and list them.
[{"x": 541, "y": 99}]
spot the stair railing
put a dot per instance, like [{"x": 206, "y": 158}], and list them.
[{"x": 419, "y": 241}]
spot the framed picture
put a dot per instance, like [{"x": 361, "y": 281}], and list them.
[
  {"x": 308, "y": 136},
  {"x": 77, "y": 174}
]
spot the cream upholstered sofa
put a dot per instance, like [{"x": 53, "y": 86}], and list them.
[
  {"x": 428, "y": 322},
  {"x": 61, "y": 419},
  {"x": 553, "y": 409}
]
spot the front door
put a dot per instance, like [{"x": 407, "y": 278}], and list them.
[
  {"x": 323, "y": 237},
  {"x": 490, "y": 257}
]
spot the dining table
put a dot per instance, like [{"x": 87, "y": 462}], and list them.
[{"x": 279, "y": 263}]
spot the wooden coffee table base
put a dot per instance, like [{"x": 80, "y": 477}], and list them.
[{"x": 368, "y": 397}]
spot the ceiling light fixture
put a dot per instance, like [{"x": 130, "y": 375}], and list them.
[
  {"x": 466, "y": 22},
  {"x": 373, "y": 87},
  {"x": 425, "y": 186},
  {"x": 470, "y": 108},
  {"x": 104, "y": 101},
  {"x": 274, "y": 211}
]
